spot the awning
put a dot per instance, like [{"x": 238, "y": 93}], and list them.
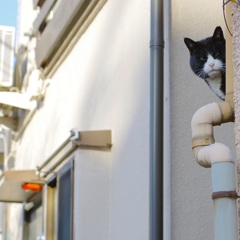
[
  {"x": 12, "y": 180},
  {"x": 11, "y": 185}
]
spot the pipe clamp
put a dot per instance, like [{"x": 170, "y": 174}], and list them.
[
  {"x": 227, "y": 194},
  {"x": 156, "y": 43},
  {"x": 202, "y": 141}
]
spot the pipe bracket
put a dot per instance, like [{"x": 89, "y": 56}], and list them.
[{"x": 225, "y": 194}]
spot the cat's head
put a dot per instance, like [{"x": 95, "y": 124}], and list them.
[{"x": 207, "y": 56}]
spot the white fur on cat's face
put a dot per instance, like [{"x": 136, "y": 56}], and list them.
[{"x": 213, "y": 67}]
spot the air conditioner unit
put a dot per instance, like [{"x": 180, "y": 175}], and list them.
[{"x": 7, "y": 38}]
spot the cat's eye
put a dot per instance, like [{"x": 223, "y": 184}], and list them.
[
  {"x": 202, "y": 58},
  {"x": 216, "y": 54}
]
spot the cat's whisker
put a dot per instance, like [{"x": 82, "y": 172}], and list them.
[
  {"x": 201, "y": 73},
  {"x": 223, "y": 68}
]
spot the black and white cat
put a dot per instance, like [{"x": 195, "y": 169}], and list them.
[{"x": 207, "y": 60}]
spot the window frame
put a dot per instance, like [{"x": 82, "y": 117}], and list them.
[{"x": 52, "y": 203}]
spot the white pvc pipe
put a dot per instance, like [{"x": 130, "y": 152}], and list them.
[
  {"x": 218, "y": 156},
  {"x": 225, "y": 208},
  {"x": 207, "y": 152},
  {"x": 214, "y": 153}
]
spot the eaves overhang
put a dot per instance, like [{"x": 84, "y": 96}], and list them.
[{"x": 11, "y": 183}]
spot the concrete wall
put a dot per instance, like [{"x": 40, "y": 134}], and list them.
[
  {"x": 236, "y": 55},
  {"x": 191, "y": 184},
  {"x": 102, "y": 84}
]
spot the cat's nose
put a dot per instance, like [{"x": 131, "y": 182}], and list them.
[{"x": 211, "y": 65}]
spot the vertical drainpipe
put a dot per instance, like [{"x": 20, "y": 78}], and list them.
[
  {"x": 224, "y": 201},
  {"x": 156, "y": 121}
]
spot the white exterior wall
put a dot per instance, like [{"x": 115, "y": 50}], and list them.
[
  {"x": 192, "y": 206},
  {"x": 25, "y": 18},
  {"x": 104, "y": 84},
  {"x": 191, "y": 184}
]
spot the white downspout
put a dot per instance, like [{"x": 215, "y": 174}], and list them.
[{"x": 218, "y": 156}]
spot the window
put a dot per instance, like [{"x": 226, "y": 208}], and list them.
[
  {"x": 47, "y": 11},
  {"x": 65, "y": 200}
]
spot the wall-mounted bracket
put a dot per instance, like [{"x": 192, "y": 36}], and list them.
[{"x": 100, "y": 138}]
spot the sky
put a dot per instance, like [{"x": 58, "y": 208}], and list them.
[{"x": 8, "y": 12}]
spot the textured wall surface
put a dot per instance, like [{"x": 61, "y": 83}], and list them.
[
  {"x": 191, "y": 184},
  {"x": 236, "y": 71},
  {"x": 102, "y": 84},
  {"x": 236, "y": 64}
]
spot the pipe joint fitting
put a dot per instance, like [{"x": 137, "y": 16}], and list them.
[
  {"x": 205, "y": 150},
  {"x": 227, "y": 112},
  {"x": 214, "y": 153},
  {"x": 202, "y": 141}
]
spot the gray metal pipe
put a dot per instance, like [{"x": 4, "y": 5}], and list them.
[{"x": 156, "y": 121}]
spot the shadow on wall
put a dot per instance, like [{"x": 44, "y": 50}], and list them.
[{"x": 190, "y": 183}]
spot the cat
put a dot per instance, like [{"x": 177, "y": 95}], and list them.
[{"x": 207, "y": 60}]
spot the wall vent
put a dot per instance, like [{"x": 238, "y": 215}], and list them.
[{"x": 7, "y": 38}]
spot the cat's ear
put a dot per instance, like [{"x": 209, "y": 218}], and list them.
[
  {"x": 218, "y": 33},
  {"x": 190, "y": 44}
]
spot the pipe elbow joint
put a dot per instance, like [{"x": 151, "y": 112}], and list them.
[
  {"x": 214, "y": 153},
  {"x": 206, "y": 151},
  {"x": 202, "y": 124}
]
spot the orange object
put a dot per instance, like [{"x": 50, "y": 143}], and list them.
[{"x": 34, "y": 187}]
